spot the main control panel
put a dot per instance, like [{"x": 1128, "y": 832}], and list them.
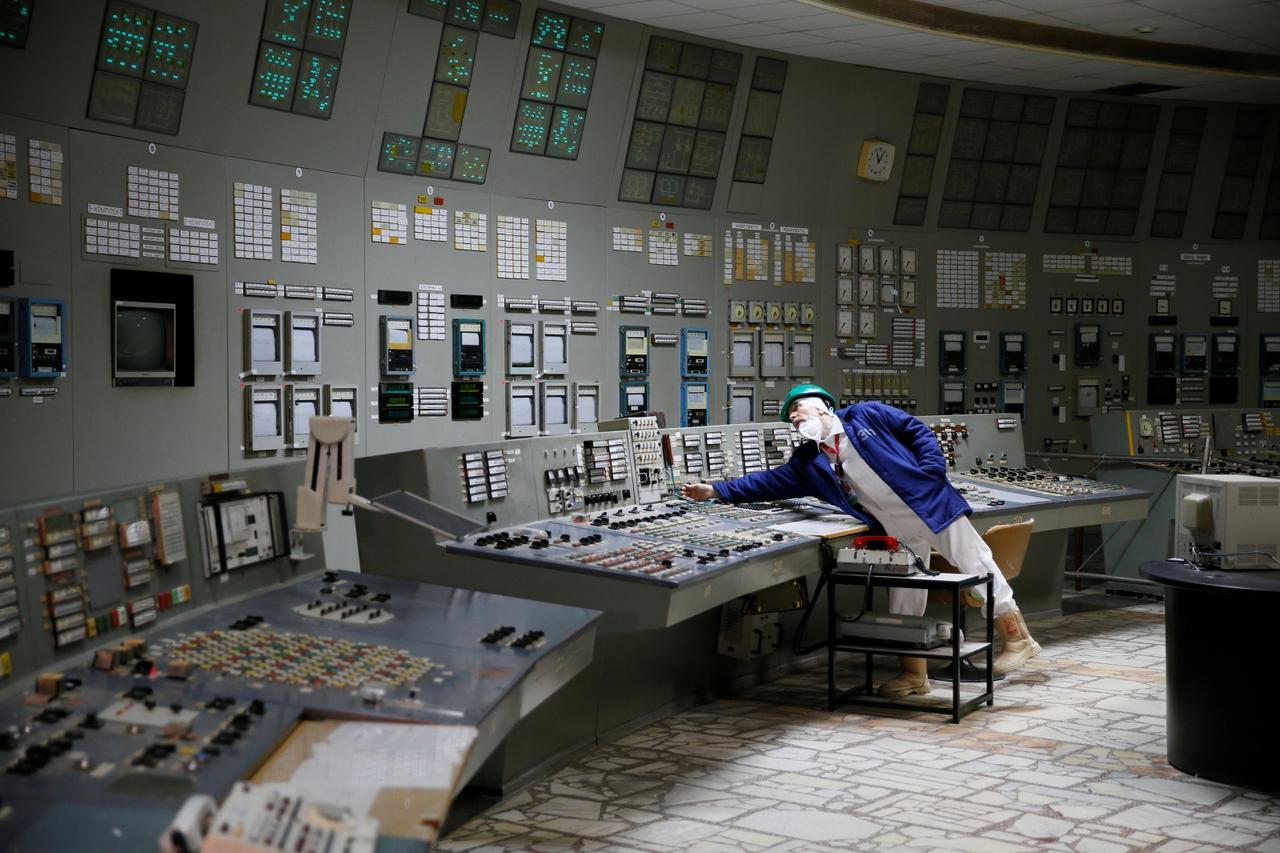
[{"x": 199, "y": 704}]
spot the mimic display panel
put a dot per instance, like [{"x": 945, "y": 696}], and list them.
[
  {"x": 15, "y": 21},
  {"x": 921, "y": 154},
  {"x": 559, "y": 72},
  {"x": 1243, "y": 162},
  {"x": 763, "y": 103},
  {"x": 498, "y": 17},
  {"x": 1173, "y": 195},
  {"x": 1102, "y": 168},
  {"x": 996, "y": 154},
  {"x": 143, "y": 64},
  {"x": 300, "y": 56},
  {"x": 681, "y": 120}
]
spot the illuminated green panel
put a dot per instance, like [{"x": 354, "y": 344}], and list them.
[
  {"x": 636, "y": 186},
  {"x": 327, "y": 32},
  {"x": 646, "y": 144},
  {"x": 686, "y": 102},
  {"x": 566, "y": 133},
  {"x": 113, "y": 98},
  {"x": 317, "y": 83},
  {"x": 501, "y": 18},
  {"x": 708, "y": 150},
  {"x": 717, "y": 105},
  {"x": 274, "y": 76},
  {"x": 725, "y": 67},
  {"x": 445, "y": 110},
  {"x": 541, "y": 74},
  {"x": 663, "y": 55},
  {"x": 457, "y": 55},
  {"x": 399, "y": 154},
  {"x": 753, "y": 159},
  {"x": 762, "y": 113},
  {"x": 550, "y": 30},
  {"x": 434, "y": 9},
  {"x": 285, "y": 22},
  {"x": 15, "y": 20},
  {"x": 770, "y": 74},
  {"x": 668, "y": 189},
  {"x": 173, "y": 40},
  {"x": 435, "y": 158},
  {"x": 471, "y": 164},
  {"x": 465, "y": 13},
  {"x": 699, "y": 193},
  {"x": 575, "y": 81},
  {"x": 677, "y": 149},
  {"x": 125, "y": 33},
  {"x": 585, "y": 37},
  {"x": 655, "y": 96},
  {"x": 530, "y": 133},
  {"x": 160, "y": 108}
]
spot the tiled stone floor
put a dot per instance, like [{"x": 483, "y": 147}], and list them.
[{"x": 1072, "y": 757}]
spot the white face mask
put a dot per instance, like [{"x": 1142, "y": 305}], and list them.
[{"x": 812, "y": 428}]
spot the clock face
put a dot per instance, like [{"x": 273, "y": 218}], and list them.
[
  {"x": 844, "y": 323},
  {"x": 866, "y": 323},
  {"x": 866, "y": 290},
  {"x": 888, "y": 260},
  {"x": 866, "y": 259},
  {"x": 844, "y": 291},
  {"x": 908, "y": 294},
  {"x": 908, "y": 261},
  {"x": 875, "y": 161}
]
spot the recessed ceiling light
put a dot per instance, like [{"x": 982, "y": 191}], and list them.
[{"x": 1145, "y": 29}]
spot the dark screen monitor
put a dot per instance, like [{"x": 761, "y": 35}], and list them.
[{"x": 145, "y": 343}]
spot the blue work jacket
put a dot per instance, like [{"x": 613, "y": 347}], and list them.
[{"x": 897, "y": 446}]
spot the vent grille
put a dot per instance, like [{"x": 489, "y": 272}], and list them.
[{"x": 1250, "y": 496}]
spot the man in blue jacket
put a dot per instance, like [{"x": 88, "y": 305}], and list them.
[{"x": 891, "y": 461}]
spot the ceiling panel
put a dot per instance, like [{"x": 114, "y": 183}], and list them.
[{"x": 807, "y": 28}]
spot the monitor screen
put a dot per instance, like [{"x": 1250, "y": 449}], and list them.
[
  {"x": 469, "y": 339},
  {"x": 397, "y": 335},
  {"x": 144, "y": 341}
]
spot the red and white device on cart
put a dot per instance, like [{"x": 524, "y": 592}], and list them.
[{"x": 884, "y": 554}]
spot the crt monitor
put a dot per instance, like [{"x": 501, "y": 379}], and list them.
[{"x": 144, "y": 343}]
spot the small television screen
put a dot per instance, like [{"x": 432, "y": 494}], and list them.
[{"x": 145, "y": 343}]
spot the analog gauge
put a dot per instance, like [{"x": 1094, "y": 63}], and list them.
[
  {"x": 866, "y": 290},
  {"x": 844, "y": 259},
  {"x": 888, "y": 260},
  {"x": 866, "y": 259},
  {"x": 866, "y": 323},
  {"x": 792, "y": 312},
  {"x": 888, "y": 291},
  {"x": 844, "y": 291},
  {"x": 737, "y": 311},
  {"x": 908, "y": 261},
  {"x": 808, "y": 314},
  {"x": 1146, "y": 428},
  {"x": 773, "y": 311},
  {"x": 908, "y": 295},
  {"x": 844, "y": 323},
  {"x": 755, "y": 312}
]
